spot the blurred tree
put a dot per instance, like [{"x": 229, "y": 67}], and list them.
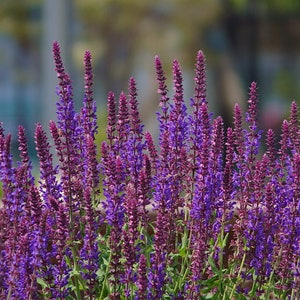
[
  {"x": 123, "y": 34},
  {"x": 21, "y": 20},
  {"x": 121, "y": 29},
  {"x": 19, "y": 30},
  {"x": 268, "y": 6}
]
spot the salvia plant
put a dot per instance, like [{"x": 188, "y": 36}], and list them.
[{"x": 205, "y": 212}]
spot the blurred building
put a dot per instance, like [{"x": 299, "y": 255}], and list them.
[{"x": 243, "y": 40}]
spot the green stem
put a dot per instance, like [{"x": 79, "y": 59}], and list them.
[
  {"x": 77, "y": 290},
  {"x": 184, "y": 266},
  {"x": 238, "y": 276},
  {"x": 105, "y": 278}
]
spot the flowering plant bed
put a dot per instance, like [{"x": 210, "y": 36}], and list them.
[{"x": 227, "y": 213}]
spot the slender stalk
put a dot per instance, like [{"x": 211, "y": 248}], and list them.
[{"x": 238, "y": 276}]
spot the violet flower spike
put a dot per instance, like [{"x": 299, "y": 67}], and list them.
[
  {"x": 163, "y": 117},
  {"x": 144, "y": 192},
  {"x": 130, "y": 235},
  {"x": 135, "y": 124},
  {"x": 177, "y": 119},
  {"x": 202, "y": 205},
  {"x": 294, "y": 126},
  {"x": 89, "y": 252},
  {"x": 65, "y": 90},
  {"x": 253, "y": 135},
  {"x": 135, "y": 144},
  {"x": 152, "y": 150},
  {"x": 111, "y": 118},
  {"x": 48, "y": 182},
  {"x": 89, "y": 111},
  {"x": 162, "y": 88},
  {"x": 200, "y": 79},
  {"x": 225, "y": 213},
  {"x": 23, "y": 148},
  {"x": 122, "y": 125},
  {"x": 142, "y": 281},
  {"x": 271, "y": 150},
  {"x": 216, "y": 167},
  {"x": 60, "y": 270}
]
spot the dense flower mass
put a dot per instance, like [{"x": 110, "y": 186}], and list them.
[{"x": 207, "y": 212}]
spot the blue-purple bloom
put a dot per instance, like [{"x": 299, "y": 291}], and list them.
[{"x": 202, "y": 211}]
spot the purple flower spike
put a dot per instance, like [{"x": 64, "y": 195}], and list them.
[
  {"x": 144, "y": 192},
  {"x": 61, "y": 235},
  {"x": 202, "y": 205},
  {"x": 284, "y": 142},
  {"x": 64, "y": 79},
  {"x": 24, "y": 155},
  {"x": 91, "y": 164},
  {"x": 252, "y": 105},
  {"x": 23, "y": 145},
  {"x": 162, "y": 87},
  {"x": 291, "y": 225},
  {"x": 89, "y": 252},
  {"x": 136, "y": 125},
  {"x": 152, "y": 150},
  {"x": 122, "y": 125},
  {"x": 204, "y": 215},
  {"x": 163, "y": 117},
  {"x": 177, "y": 122},
  {"x": 238, "y": 131},
  {"x": 239, "y": 159},
  {"x": 253, "y": 135},
  {"x": 89, "y": 111},
  {"x": 48, "y": 183},
  {"x": 142, "y": 281},
  {"x": 271, "y": 150},
  {"x": 112, "y": 118},
  {"x": 6, "y": 170},
  {"x": 200, "y": 79},
  {"x": 227, "y": 184},
  {"x": 1, "y": 130},
  {"x": 271, "y": 227},
  {"x": 294, "y": 126},
  {"x": 135, "y": 144},
  {"x": 195, "y": 119},
  {"x": 36, "y": 205},
  {"x": 130, "y": 233},
  {"x": 158, "y": 261},
  {"x": 216, "y": 167}
]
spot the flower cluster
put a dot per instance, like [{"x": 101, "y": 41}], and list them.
[{"x": 206, "y": 212}]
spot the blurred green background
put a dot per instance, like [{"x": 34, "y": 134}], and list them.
[{"x": 243, "y": 40}]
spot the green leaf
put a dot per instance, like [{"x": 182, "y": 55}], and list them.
[
  {"x": 105, "y": 261},
  {"x": 100, "y": 273},
  {"x": 209, "y": 284},
  {"x": 213, "y": 266},
  {"x": 182, "y": 252},
  {"x": 42, "y": 283},
  {"x": 74, "y": 273},
  {"x": 222, "y": 242}
]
